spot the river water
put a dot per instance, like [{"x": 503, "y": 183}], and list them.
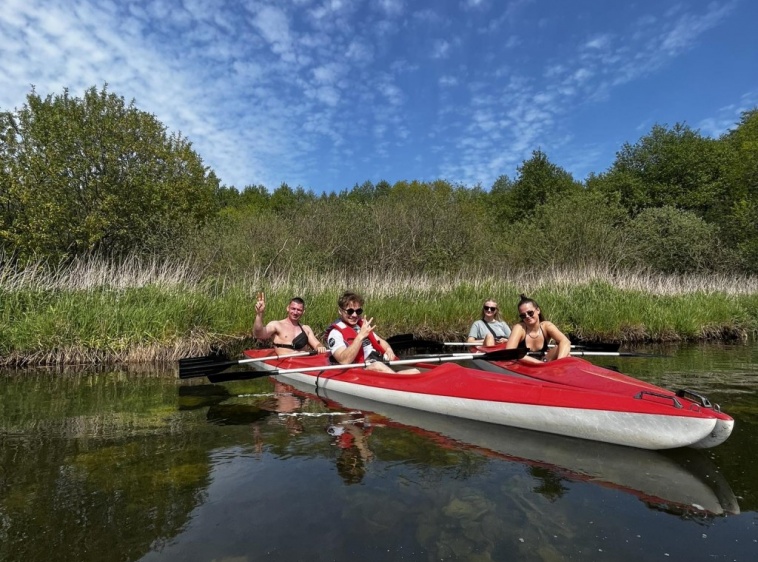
[{"x": 141, "y": 466}]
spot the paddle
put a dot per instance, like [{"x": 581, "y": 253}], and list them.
[
  {"x": 499, "y": 355},
  {"x": 402, "y": 342},
  {"x": 574, "y": 352},
  {"x": 589, "y": 353},
  {"x": 588, "y": 346},
  {"x": 218, "y": 362}
]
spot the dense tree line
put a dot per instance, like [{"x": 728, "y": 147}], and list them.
[{"x": 97, "y": 175}]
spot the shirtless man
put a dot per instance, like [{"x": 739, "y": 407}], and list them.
[{"x": 288, "y": 333}]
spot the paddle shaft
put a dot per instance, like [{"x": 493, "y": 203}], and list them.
[
  {"x": 598, "y": 347},
  {"x": 579, "y": 353},
  {"x": 500, "y": 355},
  {"x": 257, "y": 359},
  {"x": 575, "y": 353}
]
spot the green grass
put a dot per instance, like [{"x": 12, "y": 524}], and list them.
[{"x": 145, "y": 311}]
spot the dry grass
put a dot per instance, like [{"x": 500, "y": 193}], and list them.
[
  {"x": 142, "y": 310},
  {"x": 83, "y": 274},
  {"x": 137, "y": 272}
]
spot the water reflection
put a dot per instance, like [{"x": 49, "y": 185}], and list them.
[
  {"x": 101, "y": 466},
  {"x": 351, "y": 435},
  {"x": 684, "y": 482},
  {"x": 444, "y": 488}
]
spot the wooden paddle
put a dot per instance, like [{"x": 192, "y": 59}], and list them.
[{"x": 499, "y": 355}]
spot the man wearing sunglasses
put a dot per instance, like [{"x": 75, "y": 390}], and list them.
[{"x": 352, "y": 339}]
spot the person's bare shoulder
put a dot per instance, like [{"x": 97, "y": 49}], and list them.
[{"x": 274, "y": 327}]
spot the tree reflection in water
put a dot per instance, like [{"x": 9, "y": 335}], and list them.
[{"x": 551, "y": 485}]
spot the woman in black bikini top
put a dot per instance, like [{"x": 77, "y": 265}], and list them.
[
  {"x": 545, "y": 347},
  {"x": 533, "y": 326}
]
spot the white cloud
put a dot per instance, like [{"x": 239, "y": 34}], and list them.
[
  {"x": 273, "y": 25},
  {"x": 599, "y": 42},
  {"x": 440, "y": 49},
  {"x": 392, "y": 7},
  {"x": 448, "y": 80},
  {"x": 474, "y": 3},
  {"x": 303, "y": 91}
]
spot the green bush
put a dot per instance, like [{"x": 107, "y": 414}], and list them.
[{"x": 670, "y": 240}]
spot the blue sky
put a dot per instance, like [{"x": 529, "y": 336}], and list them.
[{"x": 326, "y": 94}]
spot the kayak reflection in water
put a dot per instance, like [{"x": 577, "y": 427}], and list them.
[
  {"x": 351, "y": 439},
  {"x": 288, "y": 403},
  {"x": 534, "y": 333}
]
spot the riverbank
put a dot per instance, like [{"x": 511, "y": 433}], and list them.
[{"x": 141, "y": 312}]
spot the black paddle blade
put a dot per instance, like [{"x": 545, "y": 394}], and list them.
[
  {"x": 499, "y": 355},
  {"x": 205, "y": 360},
  {"x": 404, "y": 342},
  {"x": 504, "y": 354},
  {"x": 238, "y": 376},
  {"x": 598, "y": 346},
  {"x": 401, "y": 341},
  {"x": 203, "y": 366}
]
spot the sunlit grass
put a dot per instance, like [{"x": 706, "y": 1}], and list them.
[{"x": 142, "y": 310}]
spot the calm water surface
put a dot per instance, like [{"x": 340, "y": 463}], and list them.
[{"x": 140, "y": 466}]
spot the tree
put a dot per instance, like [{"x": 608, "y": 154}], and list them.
[
  {"x": 671, "y": 240},
  {"x": 580, "y": 229},
  {"x": 286, "y": 201},
  {"x": 255, "y": 197},
  {"x": 538, "y": 180},
  {"x": 738, "y": 223},
  {"x": 96, "y": 175},
  {"x": 670, "y": 167},
  {"x": 500, "y": 199}
]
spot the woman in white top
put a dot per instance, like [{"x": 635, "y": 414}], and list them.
[{"x": 490, "y": 329}]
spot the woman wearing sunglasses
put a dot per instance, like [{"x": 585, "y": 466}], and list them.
[
  {"x": 491, "y": 328},
  {"x": 534, "y": 333}
]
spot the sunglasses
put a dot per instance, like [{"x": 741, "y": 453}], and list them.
[
  {"x": 489, "y": 308},
  {"x": 351, "y": 311},
  {"x": 528, "y": 313}
]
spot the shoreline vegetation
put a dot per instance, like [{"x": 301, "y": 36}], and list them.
[
  {"x": 137, "y": 311},
  {"x": 157, "y": 260}
]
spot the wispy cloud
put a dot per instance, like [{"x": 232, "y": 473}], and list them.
[
  {"x": 728, "y": 117},
  {"x": 328, "y": 93},
  {"x": 528, "y": 112}
]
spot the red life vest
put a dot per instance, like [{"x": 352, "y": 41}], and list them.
[{"x": 349, "y": 334}]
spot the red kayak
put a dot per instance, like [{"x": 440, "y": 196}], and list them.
[
  {"x": 578, "y": 373},
  {"x": 568, "y": 397}
]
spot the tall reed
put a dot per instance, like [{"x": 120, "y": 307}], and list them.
[{"x": 143, "y": 309}]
